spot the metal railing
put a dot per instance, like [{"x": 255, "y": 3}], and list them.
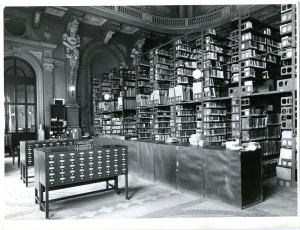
[{"x": 127, "y": 11}]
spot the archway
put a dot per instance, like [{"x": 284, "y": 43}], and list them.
[{"x": 96, "y": 58}]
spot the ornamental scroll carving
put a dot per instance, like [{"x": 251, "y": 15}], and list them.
[{"x": 71, "y": 41}]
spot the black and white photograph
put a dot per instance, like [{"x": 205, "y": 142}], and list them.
[{"x": 150, "y": 115}]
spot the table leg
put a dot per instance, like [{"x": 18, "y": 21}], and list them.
[
  {"x": 116, "y": 186},
  {"x": 41, "y": 192},
  {"x": 23, "y": 174},
  {"x": 35, "y": 195},
  {"x": 26, "y": 175},
  {"x": 47, "y": 202},
  {"x": 126, "y": 186},
  {"x": 21, "y": 171},
  {"x": 18, "y": 158}
]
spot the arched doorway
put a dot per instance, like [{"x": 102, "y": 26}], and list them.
[
  {"x": 96, "y": 58},
  {"x": 20, "y": 100}
]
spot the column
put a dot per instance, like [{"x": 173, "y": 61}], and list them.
[
  {"x": 71, "y": 41},
  {"x": 48, "y": 69}
]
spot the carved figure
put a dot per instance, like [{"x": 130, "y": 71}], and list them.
[
  {"x": 71, "y": 41},
  {"x": 137, "y": 51}
]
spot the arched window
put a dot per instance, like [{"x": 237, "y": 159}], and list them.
[{"x": 20, "y": 98}]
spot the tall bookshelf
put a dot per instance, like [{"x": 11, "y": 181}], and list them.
[
  {"x": 216, "y": 71},
  {"x": 160, "y": 79},
  {"x": 184, "y": 113},
  {"x": 143, "y": 91},
  {"x": 287, "y": 165},
  {"x": 96, "y": 117},
  {"x": 127, "y": 101}
]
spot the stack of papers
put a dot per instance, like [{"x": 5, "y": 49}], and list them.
[
  {"x": 172, "y": 140},
  {"x": 195, "y": 139}
]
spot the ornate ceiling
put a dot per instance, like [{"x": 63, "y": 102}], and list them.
[{"x": 158, "y": 20}]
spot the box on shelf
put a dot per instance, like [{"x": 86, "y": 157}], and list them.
[
  {"x": 233, "y": 92},
  {"x": 286, "y": 85},
  {"x": 197, "y": 90},
  {"x": 286, "y": 101},
  {"x": 284, "y": 173},
  {"x": 247, "y": 90},
  {"x": 171, "y": 95}
]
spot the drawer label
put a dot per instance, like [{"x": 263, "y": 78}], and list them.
[{"x": 83, "y": 145}]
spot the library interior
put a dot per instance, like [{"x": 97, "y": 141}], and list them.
[{"x": 150, "y": 111}]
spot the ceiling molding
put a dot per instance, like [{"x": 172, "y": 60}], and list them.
[{"x": 29, "y": 43}]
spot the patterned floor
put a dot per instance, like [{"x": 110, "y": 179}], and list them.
[{"x": 147, "y": 200}]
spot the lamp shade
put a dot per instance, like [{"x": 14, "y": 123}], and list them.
[
  {"x": 197, "y": 73},
  {"x": 106, "y": 96}
]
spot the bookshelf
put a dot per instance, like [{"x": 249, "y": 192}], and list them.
[
  {"x": 160, "y": 79},
  {"x": 287, "y": 165},
  {"x": 127, "y": 101},
  {"x": 143, "y": 91},
  {"x": 184, "y": 115},
  {"x": 58, "y": 122}
]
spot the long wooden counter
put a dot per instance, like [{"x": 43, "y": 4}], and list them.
[{"x": 234, "y": 177}]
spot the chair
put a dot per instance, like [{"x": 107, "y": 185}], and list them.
[{"x": 9, "y": 148}]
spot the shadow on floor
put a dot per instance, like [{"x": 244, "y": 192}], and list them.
[{"x": 9, "y": 167}]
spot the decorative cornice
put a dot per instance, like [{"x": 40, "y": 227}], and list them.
[{"x": 29, "y": 43}]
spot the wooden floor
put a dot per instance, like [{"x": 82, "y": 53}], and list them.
[{"x": 147, "y": 200}]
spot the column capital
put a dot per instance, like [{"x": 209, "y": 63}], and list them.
[{"x": 48, "y": 67}]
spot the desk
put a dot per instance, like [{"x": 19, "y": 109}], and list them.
[{"x": 62, "y": 169}]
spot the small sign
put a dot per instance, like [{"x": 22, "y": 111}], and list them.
[{"x": 84, "y": 145}]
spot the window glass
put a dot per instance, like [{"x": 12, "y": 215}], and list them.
[
  {"x": 31, "y": 118},
  {"x": 19, "y": 73},
  {"x": 30, "y": 93},
  {"x": 10, "y": 93},
  {"x": 21, "y": 118},
  {"x": 9, "y": 64},
  {"x": 26, "y": 70},
  {"x": 10, "y": 72},
  {"x": 20, "y": 93},
  {"x": 11, "y": 118}
]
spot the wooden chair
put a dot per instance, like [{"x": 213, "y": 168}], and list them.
[{"x": 9, "y": 148}]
